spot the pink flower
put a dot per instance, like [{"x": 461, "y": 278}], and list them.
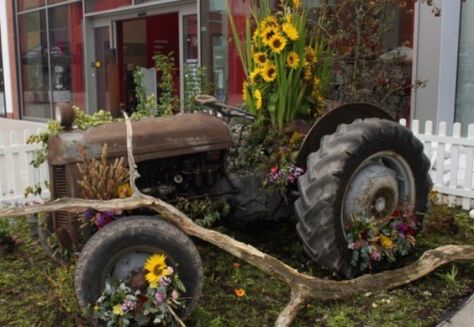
[{"x": 274, "y": 170}]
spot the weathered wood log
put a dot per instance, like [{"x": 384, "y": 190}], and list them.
[{"x": 304, "y": 288}]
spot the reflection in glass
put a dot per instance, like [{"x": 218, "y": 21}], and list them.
[
  {"x": 34, "y": 65},
  {"x": 29, "y": 4},
  {"x": 465, "y": 84},
  {"x": 101, "y": 5},
  {"x": 65, "y": 37}
]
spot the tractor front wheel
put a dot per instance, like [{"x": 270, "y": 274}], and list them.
[{"x": 122, "y": 247}]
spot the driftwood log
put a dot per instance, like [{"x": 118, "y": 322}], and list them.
[{"x": 304, "y": 288}]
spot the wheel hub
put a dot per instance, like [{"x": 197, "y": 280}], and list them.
[{"x": 373, "y": 192}]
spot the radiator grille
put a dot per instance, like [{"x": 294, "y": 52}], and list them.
[{"x": 62, "y": 219}]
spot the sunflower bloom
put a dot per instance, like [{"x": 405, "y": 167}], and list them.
[
  {"x": 277, "y": 43},
  {"x": 260, "y": 58},
  {"x": 269, "y": 21},
  {"x": 268, "y": 33},
  {"x": 254, "y": 76},
  {"x": 257, "y": 95},
  {"x": 239, "y": 292},
  {"x": 156, "y": 267},
  {"x": 290, "y": 30},
  {"x": 308, "y": 72},
  {"x": 293, "y": 60},
  {"x": 269, "y": 72}
]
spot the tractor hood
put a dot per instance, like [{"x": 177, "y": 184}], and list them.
[{"x": 153, "y": 138}]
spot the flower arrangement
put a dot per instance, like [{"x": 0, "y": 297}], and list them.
[
  {"x": 284, "y": 77},
  {"x": 152, "y": 297},
  {"x": 374, "y": 240}
]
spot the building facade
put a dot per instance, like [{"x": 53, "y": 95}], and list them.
[
  {"x": 444, "y": 61},
  {"x": 85, "y": 51}
]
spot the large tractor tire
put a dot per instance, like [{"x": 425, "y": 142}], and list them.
[
  {"x": 122, "y": 247},
  {"x": 367, "y": 169}
]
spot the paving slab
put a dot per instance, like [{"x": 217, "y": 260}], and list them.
[{"x": 462, "y": 317}]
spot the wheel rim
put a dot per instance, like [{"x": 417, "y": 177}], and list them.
[
  {"x": 378, "y": 186},
  {"x": 122, "y": 265}
]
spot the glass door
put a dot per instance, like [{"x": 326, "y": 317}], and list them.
[{"x": 102, "y": 46}]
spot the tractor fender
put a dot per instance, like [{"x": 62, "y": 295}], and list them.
[{"x": 328, "y": 123}]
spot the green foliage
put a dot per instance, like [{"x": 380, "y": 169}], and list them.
[
  {"x": 36, "y": 189},
  {"x": 196, "y": 81},
  {"x": 357, "y": 32},
  {"x": 205, "y": 212},
  {"x": 167, "y": 101},
  {"x": 52, "y": 129},
  {"x": 84, "y": 121},
  {"x": 146, "y": 105},
  {"x": 450, "y": 276},
  {"x": 282, "y": 62}
]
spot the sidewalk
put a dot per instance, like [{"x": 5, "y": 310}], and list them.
[{"x": 463, "y": 317}]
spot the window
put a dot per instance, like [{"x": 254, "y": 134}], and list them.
[
  {"x": 51, "y": 60},
  {"x": 218, "y": 51},
  {"x": 30, "y": 4},
  {"x": 464, "y": 111},
  {"x": 34, "y": 65}
]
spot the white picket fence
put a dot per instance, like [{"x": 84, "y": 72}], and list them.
[
  {"x": 451, "y": 159},
  {"x": 16, "y": 174}
]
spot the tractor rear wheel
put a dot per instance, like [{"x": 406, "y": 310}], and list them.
[{"x": 368, "y": 169}]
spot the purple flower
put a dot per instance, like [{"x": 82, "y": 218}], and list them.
[
  {"x": 128, "y": 305},
  {"x": 103, "y": 218},
  {"x": 89, "y": 214},
  {"x": 403, "y": 228},
  {"x": 160, "y": 297},
  {"x": 165, "y": 280}
]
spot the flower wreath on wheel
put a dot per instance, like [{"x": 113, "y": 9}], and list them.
[{"x": 150, "y": 295}]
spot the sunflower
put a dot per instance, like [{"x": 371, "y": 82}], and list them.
[
  {"x": 290, "y": 31},
  {"x": 257, "y": 95},
  {"x": 260, "y": 58},
  {"x": 269, "y": 72},
  {"x": 269, "y": 21},
  {"x": 156, "y": 267},
  {"x": 277, "y": 43},
  {"x": 254, "y": 76},
  {"x": 268, "y": 33},
  {"x": 293, "y": 60}
]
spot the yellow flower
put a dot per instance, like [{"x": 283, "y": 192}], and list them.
[
  {"x": 156, "y": 267},
  {"x": 316, "y": 81},
  {"x": 269, "y": 72},
  {"x": 296, "y": 3},
  {"x": 257, "y": 95},
  {"x": 254, "y": 76},
  {"x": 293, "y": 60},
  {"x": 269, "y": 21},
  {"x": 260, "y": 58},
  {"x": 386, "y": 242},
  {"x": 255, "y": 35},
  {"x": 117, "y": 310},
  {"x": 239, "y": 292},
  {"x": 277, "y": 43},
  {"x": 124, "y": 191},
  {"x": 310, "y": 55},
  {"x": 290, "y": 31},
  {"x": 267, "y": 34}
]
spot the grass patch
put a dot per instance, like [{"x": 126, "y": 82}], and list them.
[{"x": 36, "y": 292}]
